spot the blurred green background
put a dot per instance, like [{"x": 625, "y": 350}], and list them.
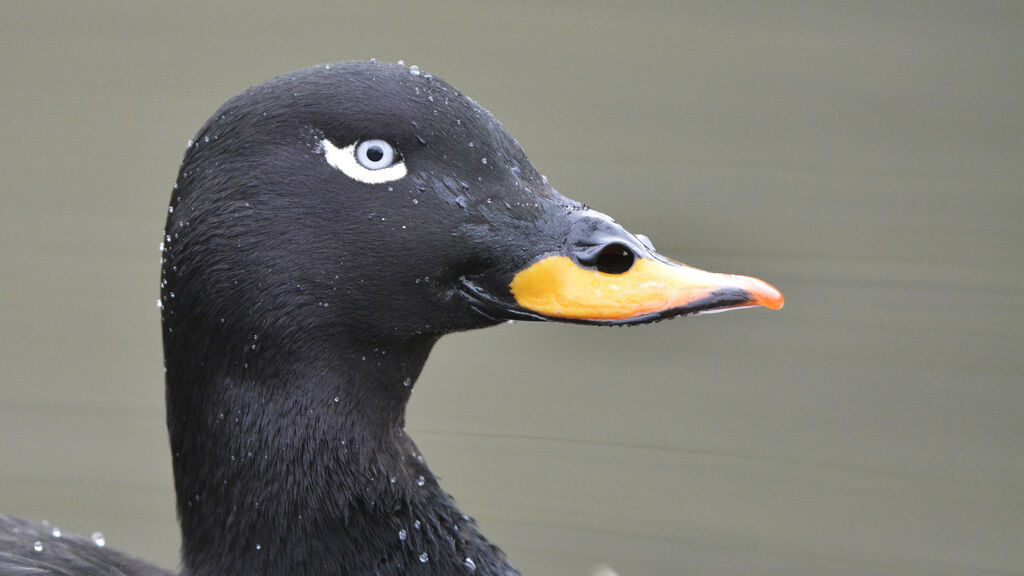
[{"x": 864, "y": 157}]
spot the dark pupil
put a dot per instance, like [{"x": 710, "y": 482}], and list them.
[{"x": 375, "y": 154}]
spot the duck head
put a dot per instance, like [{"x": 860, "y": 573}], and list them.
[
  {"x": 373, "y": 199},
  {"x": 325, "y": 229}
]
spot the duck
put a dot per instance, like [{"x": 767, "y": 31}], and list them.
[{"x": 326, "y": 228}]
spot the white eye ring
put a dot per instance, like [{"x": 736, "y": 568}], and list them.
[{"x": 370, "y": 161}]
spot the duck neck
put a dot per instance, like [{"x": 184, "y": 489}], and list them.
[{"x": 305, "y": 468}]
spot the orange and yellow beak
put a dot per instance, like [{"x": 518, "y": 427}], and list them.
[{"x": 558, "y": 288}]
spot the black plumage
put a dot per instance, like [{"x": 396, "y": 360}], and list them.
[{"x": 299, "y": 305}]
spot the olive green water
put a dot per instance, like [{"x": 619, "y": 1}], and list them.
[{"x": 865, "y": 158}]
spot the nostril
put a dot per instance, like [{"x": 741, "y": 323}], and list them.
[{"x": 614, "y": 259}]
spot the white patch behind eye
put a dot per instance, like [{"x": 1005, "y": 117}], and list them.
[{"x": 344, "y": 159}]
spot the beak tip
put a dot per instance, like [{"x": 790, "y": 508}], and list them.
[{"x": 764, "y": 294}]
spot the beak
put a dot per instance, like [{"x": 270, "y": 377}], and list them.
[
  {"x": 599, "y": 273},
  {"x": 651, "y": 288}
]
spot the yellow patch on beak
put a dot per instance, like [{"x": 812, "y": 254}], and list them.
[{"x": 557, "y": 287}]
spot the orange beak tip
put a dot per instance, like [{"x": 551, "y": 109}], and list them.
[{"x": 764, "y": 294}]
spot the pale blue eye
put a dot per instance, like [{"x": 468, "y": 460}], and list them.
[
  {"x": 370, "y": 161},
  {"x": 375, "y": 154}
]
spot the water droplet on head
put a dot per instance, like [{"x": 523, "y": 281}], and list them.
[
  {"x": 470, "y": 564},
  {"x": 55, "y": 532},
  {"x": 483, "y": 160},
  {"x": 414, "y": 70},
  {"x": 416, "y": 524},
  {"x": 38, "y": 546},
  {"x": 424, "y": 557},
  {"x": 259, "y": 547},
  {"x": 407, "y": 382},
  {"x": 98, "y": 539},
  {"x": 402, "y": 534},
  {"x": 421, "y": 481}
]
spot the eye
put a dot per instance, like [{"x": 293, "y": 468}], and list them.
[
  {"x": 375, "y": 154},
  {"x": 369, "y": 161}
]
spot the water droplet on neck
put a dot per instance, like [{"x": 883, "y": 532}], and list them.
[
  {"x": 424, "y": 557},
  {"x": 56, "y": 533},
  {"x": 468, "y": 563},
  {"x": 98, "y": 539},
  {"x": 38, "y": 546},
  {"x": 421, "y": 481},
  {"x": 402, "y": 534}
]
